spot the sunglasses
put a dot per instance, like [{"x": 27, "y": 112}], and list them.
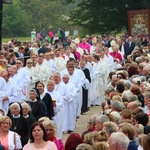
[
  {"x": 119, "y": 77},
  {"x": 29, "y": 63}
]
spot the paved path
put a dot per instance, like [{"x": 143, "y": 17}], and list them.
[{"x": 81, "y": 122}]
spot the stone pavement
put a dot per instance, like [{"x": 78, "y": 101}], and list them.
[{"x": 81, "y": 122}]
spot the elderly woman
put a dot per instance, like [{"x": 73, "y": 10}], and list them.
[
  {"x": 39, "y": 139},
  {"x": 10, "y": 140},
  {"x": 37, "y": 106},
  {"x": 19, "y": 123},
  {"x": 26, "y": 110},
  {"x": 50, "y": 128}
]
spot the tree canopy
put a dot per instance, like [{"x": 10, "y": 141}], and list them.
[
  {"x": 104, "y": 16},
  {"x": 93, "y": 16},
  {"x": 22, "y": 16}
]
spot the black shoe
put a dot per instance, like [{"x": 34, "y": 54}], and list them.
[
  {"x": 69, "y": 131},
  {"x": 77, "y": 117}
]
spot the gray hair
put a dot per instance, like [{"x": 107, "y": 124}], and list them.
[
  {"x": 93, "y": 119},
  {"x": 102, "y": 118},
  {"x": 110, "y": 127},
  {"x": 27, "y": 105},
  {"x": 138, "y": 60},
  {"x": 147, "y": 94},
  {"x": 143, "y": 78},
  {"x": 84, "y": 147},
  {"x": 51, "y": 81},
  {"x": 127, "y": 83},
  {"x": 57, "y": 73},
  {"x": 119, "y": 106},
  {"x": 132, "y": 98},
  {"x": 15, "y": 104},
  {"x": 122, "y": 142}
]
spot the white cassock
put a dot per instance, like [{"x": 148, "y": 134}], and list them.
[
  {"x": 17, "y": 81},
  {"x": 111, "y": 62},
  {"x": 43, "y": 73},
  {"x": 52, "y": 67},
  {"x": 97, "y": 86},
  {"x": 105, "y": 63},
  {"x": 70, "y": 116},
  {"x": 65, "y": 57},
  {"x": 60, "y": 63},
  {"x": 25, "y": 74},
  {"x": 78, "y": 79},
  {"x": 33, "y": 79},
  {"x": 59, "y": 116},
  {"x": 90, "y": 67},
  {"x": 92, "y": 49},
  {"x": 61, "y": 89},
  {"x": 3, "y": 90},
  {"x": 81, "y": 81},
  {"x": 12, "y": 95},
  {"x": 63, "y": 72},
  {"x": 102, "y": 82}
]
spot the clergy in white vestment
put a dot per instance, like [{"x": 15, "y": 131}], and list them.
[
  {"x": 111, "y": 60},
  {"x": 33, "y": 76},
  {"x": 94, "y": 45},
  {"x": 16, "y": 79},
  {"x": 11, "y": 92},
  {"x": 88, "y": 65},
  {"x": 65, "y": 71},
  {"x": 104, "y": 71},
  {"x": 70, "y": 115},
  {"x": 26, "y": 78},
  {"x": 3, "y": 91},
  {"x": 60, "y": 62},
  {"x": 43, "y": 70},
  {"x": 51, "y": 64},
  {"x": 61, "y": 88},
  {"x": 68, "y": 53},
  {"x": 77, "y": 81},
  {"x": 58, "y": 107},
  {"x": 97, "y": 86},
  {"x": 81, "y": 83}
]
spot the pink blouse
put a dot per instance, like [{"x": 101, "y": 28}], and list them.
[
  {"x": 49, "y": 146},
  {"x": 4, "y": 142}
]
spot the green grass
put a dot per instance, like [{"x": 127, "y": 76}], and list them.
[{"x": 21, "y": 39}]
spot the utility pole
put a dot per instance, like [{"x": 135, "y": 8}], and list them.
[{"x": 1, "y": 19}]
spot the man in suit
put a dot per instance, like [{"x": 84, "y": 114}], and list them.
[{"x": 129, "y": 46}]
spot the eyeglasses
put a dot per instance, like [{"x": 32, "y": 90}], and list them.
[{"x": 119, "y": 77}]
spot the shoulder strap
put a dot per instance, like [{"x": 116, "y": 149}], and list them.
[{"x": 15, "y": 139}]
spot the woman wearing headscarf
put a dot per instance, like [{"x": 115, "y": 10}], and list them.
[
  {"x": 37, "y": 106},
  {"x": 19, "y": 124}
]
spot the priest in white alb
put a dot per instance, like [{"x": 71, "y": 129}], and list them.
[{"x": 58, "y": 107}]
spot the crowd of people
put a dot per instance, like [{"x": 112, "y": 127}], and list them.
[{"x": 44, "y": 89}]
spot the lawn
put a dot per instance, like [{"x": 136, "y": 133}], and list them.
[{"x": 21, "y": 39}]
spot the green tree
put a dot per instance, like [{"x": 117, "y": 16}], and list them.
[
  {"x": 104, "y": 16},
  {"x": 15, "y": 20},
  {"x": 46, "y": 14}
]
